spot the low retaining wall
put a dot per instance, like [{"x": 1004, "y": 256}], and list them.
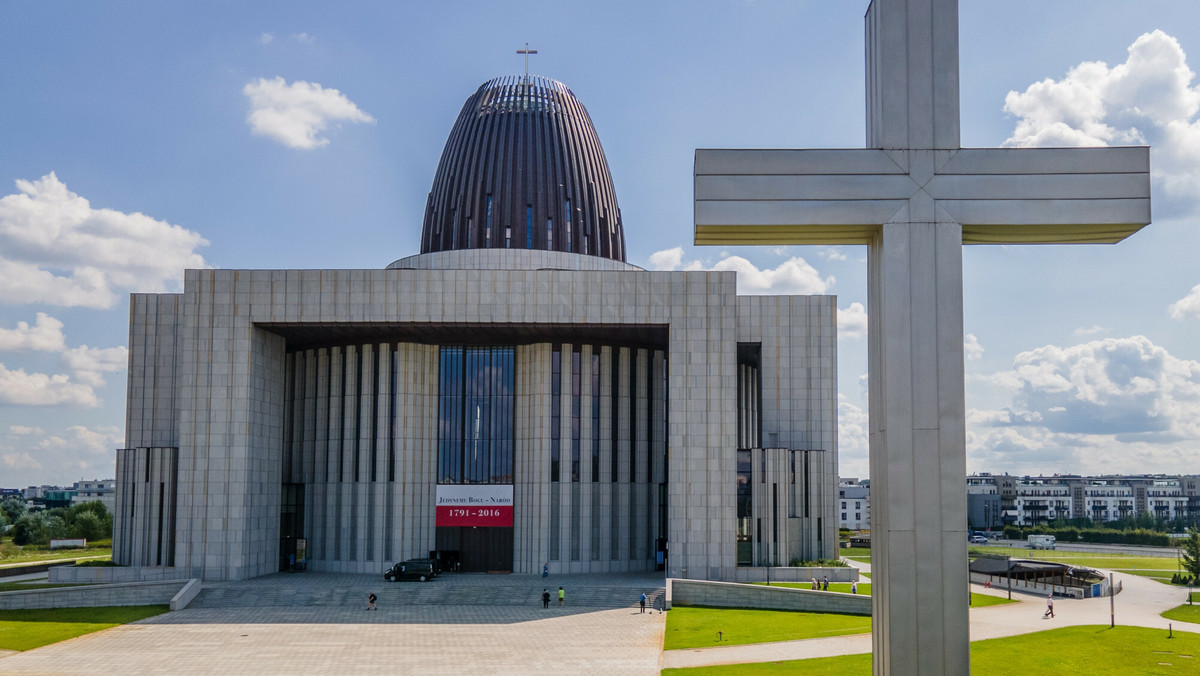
[
  {"x": 126, "y": 594},
  {"x": 736, "y": 595},
  {"x": 114, "y": 574},
  {"x": 9, "y": 571},
  {"x": 790, "y": 574},
  {"x": 190, "y": 591}
]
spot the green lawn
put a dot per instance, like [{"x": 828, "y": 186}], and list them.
[
  {"x": 844, "y": 587},
  {"x": 864, "y": 588},
  {"x": 28, "y": 629},
  {"x": 27, "y": 555},
  {"x": 1186, "y": 612},
  {"x": 857, "y": 554},
  {"x": 689, "y": 627},
  {"x": 1071, "y": 651}
]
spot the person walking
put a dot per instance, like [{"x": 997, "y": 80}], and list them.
[
  {"x": 854, "y": 587},
  {"x": 545, "y": 570},
  {"x": 824, "y": 583},
  {"x": 562, "y": 596},
  {"x": 371, "y": 602},
  {"x": 545, "y": 598},
  {"x": 1049, "y": 606},
  {"x": 643, "y": 601}
]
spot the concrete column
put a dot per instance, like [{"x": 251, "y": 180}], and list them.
[{"x": 917, "y": 438}]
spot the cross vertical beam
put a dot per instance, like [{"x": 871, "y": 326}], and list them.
[{"x": 914, "y": 197}]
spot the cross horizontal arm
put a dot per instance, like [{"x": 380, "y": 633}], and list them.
[
  {"x": 1019, "y": 195},
  {"x": 796, "y": 196},
  {"x": 1045, "y": 195}
]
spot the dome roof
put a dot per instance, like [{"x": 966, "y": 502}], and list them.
[{"x": 523, "y": 169}]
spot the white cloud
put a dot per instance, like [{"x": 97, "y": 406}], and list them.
[
  {"x": 266, "y": 38},
  {"x": 76, "y": 452},
  {"x": 832, "y": 253},
  {"x": 19, "y": 461},
  {"x": 294, "y": 114},
  {"x": 972, "y": 349},
  {"x": 793, "y": 276},
  {"x": 667, "y": 259},
  {"x": 19, "y": 388},
  {"x": 853, "y": 439},
  {"x": 1188, "y": 306},
  {"x": 1126, "y": 400},
  {"x": 89, "y": 363},
  {"x": 82, "y": 439},
  {"x": 23, "y": 430},
  {"x": 303, "y": 38},
  {"x": 1089, "y": 330},
  {"x": 1148, "y": 99},
  {"x": 44, "y": 336},
  {"x": 852, "y": 321},
  {"x": 58, "y": 250}
]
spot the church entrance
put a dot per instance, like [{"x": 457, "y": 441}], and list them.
[{"x": 481, "y": 549}]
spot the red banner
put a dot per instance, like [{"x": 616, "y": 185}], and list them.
[
  {"x": 475, "y": 505},
  {"x": 475, "y": 516}
]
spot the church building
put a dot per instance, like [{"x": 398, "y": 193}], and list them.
[{"x": 515, "y": 395}]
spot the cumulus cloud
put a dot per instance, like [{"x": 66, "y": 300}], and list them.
[
  {"x": 853, "y": 438},
  {"x": 793, "y": 276},
  {"x": 90, "y": 363},
  {"x": 1148, "y": 99},
  {"x": 266, "y": 38},
  {"x": 1125, "y": 398},
  {"x": 16, "y": 461},
  {"x": 44, "y": 336},
  {"x": 972, "y": 349},
  {"x": 19, "y": 388},
  {"x": 852, "y": 321},
  {"x": 58, "y": 250},
  {"x": 832, "y": 253},
  {"x": 75, "y": 451},
  {"x": 1188, "y": 306},
  {"x": 295, "y": 114},
  {"x": 23, "y": 430},
  {"x": 1088, "y": 330}
]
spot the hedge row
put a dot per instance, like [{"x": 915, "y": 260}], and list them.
[{"x": 1136, "y": 536}]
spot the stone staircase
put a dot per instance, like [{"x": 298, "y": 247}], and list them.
[{"x": 447, "y": 589}]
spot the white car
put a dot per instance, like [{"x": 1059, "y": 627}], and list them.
[{"x": 978, "y": 540}]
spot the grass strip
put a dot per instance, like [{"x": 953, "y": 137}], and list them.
[
  {"x": 1070, "y": 651},
  {"x": 28, "y": 629},
  {"x": 692, "y": 627}
]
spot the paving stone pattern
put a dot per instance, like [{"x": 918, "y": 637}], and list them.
[{"x": 285, "y": 634}]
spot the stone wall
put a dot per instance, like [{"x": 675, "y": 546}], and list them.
[
  {"x": 125, "y": 594},
  {"x": 735, "y": 595},
  {"x": 114, "y": 574}
]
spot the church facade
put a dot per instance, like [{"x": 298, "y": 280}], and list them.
[{"x": 515, "y": 396}]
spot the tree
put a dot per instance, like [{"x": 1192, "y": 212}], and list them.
[
  {"x": 1191, "y": 553},
  {"x": 13, "y": 508}
]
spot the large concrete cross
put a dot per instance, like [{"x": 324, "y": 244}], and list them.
[{"x": 914, "y": 197}]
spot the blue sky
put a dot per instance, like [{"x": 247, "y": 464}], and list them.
[{"x": 140, "y": 138}]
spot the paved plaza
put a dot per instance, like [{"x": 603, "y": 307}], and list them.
[
  {"x": 316, "y": 623},
  {"x": 421, "y": 638}
]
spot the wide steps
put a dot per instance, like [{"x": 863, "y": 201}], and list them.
[{"x": 434, "y": 592}]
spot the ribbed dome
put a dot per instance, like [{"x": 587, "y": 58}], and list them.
[{"x": 523, "y": 169}]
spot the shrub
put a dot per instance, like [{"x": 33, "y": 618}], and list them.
[{"x": 95, "y": 563}]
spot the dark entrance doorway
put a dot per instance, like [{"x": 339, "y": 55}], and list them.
[
  {"x": 480, "y": 549},
  {"x": 291, "y": 523}
]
